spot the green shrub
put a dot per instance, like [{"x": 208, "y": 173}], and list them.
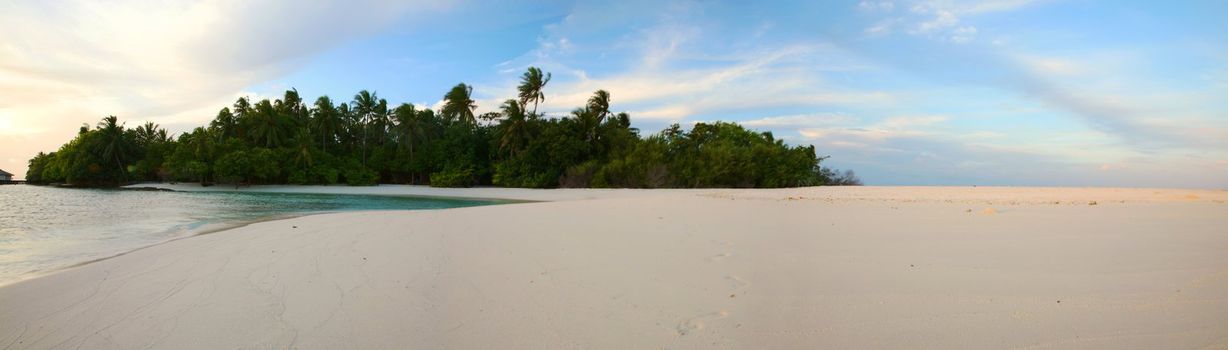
[
  {"x": 325, "y": 174},
  {"x": 360, "y": 176},
  {"x": 453, "y": 178}
]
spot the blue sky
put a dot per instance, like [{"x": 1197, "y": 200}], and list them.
[{"x": 925, "y": 92}]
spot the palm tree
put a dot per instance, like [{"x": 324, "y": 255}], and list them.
[
  {"x": 408, "y": 128},
  {"x": 149, "y": 134},
  {"x": 291, "y": 105},
  {"x": 203, "y": 149},
  {"x": 267, "y": 125},
  {"x": 600, "y": 104},
  {"x": 242, "y": 106},
  {"x": 513, "y": 127},
  {"x": 531, "y": 85},
  {"x": 623, "y": 121},
  {"x": 458, "y": 104},
  {"x": 302, "y": 148},
  {"x": 325, "y": 121},
  {"x": 593, "y": 114},
  {"x": 225, "y": 123},
  {"x": 365, "y": 104},
  {"x": 588, "y": 122},
  {"x": 409, "y": 131},
  {"x": 380, "y": 121},
  {"x": 115, "y": 147},
  {"x": 348, "y": 133},
  {"x": 242, "y": 111}
]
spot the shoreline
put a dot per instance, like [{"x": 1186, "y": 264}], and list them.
[
  {"x": 513, "y": 194},
  {"x": 190, "y": 233},
  {"x": 343, "y": 190},
  {"x": 818, "y": 267},
  {"x": 204, "y": 226},
  {"x": 988, "y": 194},
  {"x": 221, "y": 227}
]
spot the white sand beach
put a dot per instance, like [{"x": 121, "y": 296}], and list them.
[{"x": 849, "y": 267}]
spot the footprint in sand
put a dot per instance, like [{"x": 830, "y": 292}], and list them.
[
  {"x": 739, "y": 284},
  {"x": 697, "y": 323}
]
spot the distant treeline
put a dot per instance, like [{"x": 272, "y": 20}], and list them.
[{"x": 365, "y": 142}]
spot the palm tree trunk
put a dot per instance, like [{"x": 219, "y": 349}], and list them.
[
  {"x": 364, "y": 141},
  {"x": 123, "y": 173}
]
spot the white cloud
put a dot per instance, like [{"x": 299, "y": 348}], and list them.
[
  {"x": 798, "y": 120},
  {"x": 971, "y": 7},
  {"x": 174, "y": 62},
  {"x": 942, "y": 19},
  {"x": 1052, "y": 65},
  {"x": 889, "y": 128},
  {"x": 913, "y": 121},
  {"x": 902, "y": 150},
  {"x": 1102, "y": 90},
  {"x": 963, "y": 34},
  {"x": 986, "y": 6},
  {"x": 882, "y": 27},
  {"x": 946, "y": 19},
  {"x": 868, "y": 5}
]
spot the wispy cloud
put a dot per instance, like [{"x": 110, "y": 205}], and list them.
[
  {"x": 871, "y": 5},
  {"x": 945, "y": 20},
  {"x": 682, "y": 72},
  {"x": 678, "y": 77},
  {"x": 883, "y": 27},
  {"x": 798, "y": 121}
]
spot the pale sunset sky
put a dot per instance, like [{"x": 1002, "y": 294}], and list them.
[{"x": 924, "y": 92}]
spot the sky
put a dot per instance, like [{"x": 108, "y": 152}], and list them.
[{"x": 922, "y": 92}]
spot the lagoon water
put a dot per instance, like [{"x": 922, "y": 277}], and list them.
[{"x": 45, "y": 228}]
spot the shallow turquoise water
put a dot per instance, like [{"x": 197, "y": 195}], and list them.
[{"x": 46, "y": 228}]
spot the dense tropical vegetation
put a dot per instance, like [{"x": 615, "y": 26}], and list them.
[{"x": 366, "y": 141}]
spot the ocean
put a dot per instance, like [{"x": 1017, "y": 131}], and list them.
[{"x": 43, "y": 229}]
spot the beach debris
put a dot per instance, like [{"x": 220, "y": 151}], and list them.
[
  {"x": 733, "y": 295},
  {"x": 968, "y": 211},
  {"x": 989, "y": 211},
  {"x": 1092, "y": 203},
  {"x": 293, "y": 226}
]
